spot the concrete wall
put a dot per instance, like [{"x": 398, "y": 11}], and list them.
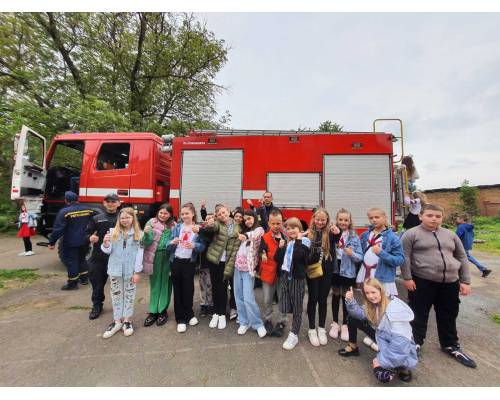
[{"x": 488, "y": 199}]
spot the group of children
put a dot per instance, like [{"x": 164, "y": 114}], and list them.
[{"x": 234, "y": 250}]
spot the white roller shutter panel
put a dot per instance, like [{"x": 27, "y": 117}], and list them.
[
  {"x": 211, "y": 175},
  {"x": 295, "y": 190},
  {"x": 357, "y": 183}
]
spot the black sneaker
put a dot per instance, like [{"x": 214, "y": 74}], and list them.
[
  {"x": 162, "y": 318},
  {"x": 203, "y": 310},
  {"x": 486, "y": 272},
  {"x": 84, "y": 281},
  {"x": 71, "y": 285},
  {"x": 460, "y": 356},
  {"x": 404, "y": 374},
  {"x": 348, "y": 351},
  {"x": 151, "y": 319},
  {"x": 278, "y": 330},
  {"x": 96, "y": 311},
  {"x": 269, "y": 327}
]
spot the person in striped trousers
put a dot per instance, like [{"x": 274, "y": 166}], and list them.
[{"x": 292, "y": 259}]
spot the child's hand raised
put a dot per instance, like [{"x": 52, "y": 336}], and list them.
[
  {"x": 282, "y": 243},
  {"x": 376, "y": 249},
  {"x": 334, "y": 229},
  {"x": 107, "y": 239},
  {"x": 242, "y": 237},
  {"x": 147, "y": 229},
  {"x": 349, "y": 294},
  {"x": 264, "y": 256},
  {"x": 348, "y": 251},
  {"x": 196, "y": 228}
]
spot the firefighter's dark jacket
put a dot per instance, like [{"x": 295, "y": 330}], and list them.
[{"x": 71, "y": 223}]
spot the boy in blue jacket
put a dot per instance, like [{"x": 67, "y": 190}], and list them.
[{"x": 465, "y": 232}]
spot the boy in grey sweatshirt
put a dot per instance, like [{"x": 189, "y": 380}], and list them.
[{"x": 435, "y": 273}]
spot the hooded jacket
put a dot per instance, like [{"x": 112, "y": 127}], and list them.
[
  {"x": 393, "y": 333},
  {"x": 466, "y": 234}
]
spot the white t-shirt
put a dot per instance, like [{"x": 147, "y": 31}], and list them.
[{"x": 186, "y": 236}]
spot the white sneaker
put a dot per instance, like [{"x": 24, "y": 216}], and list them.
[
  {"x": 261, "y": 331},
  {"x": 181, "y": 328},
  {"x": 22, "y": 254},
  {"x": 370, "y": 343},
  {"x": 334, "y": 330},
  {"x": 323, "y": 340},
  {"x": 233, "y": 314},
  {"x": 243, "y": 329},
  {"x": 193, "y": 321},
  {"x": 112, "y": 329},
  {"x": 222, "y": 322},
  {"x": 313, "y": 337},
  {"x": 213, "y": 321},
  {"x": 291, "y": 341},
  {"x": 128, "y": 329},
  {"x": 344, "y": 333},
  {"x": 29, "y": 253}
]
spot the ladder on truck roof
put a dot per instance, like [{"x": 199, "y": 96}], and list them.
[{"x": 250, "y": 132}]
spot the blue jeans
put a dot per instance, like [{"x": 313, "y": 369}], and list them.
[
  {"x": 248, "y": 310},
  {"x": 474, "y": 261}
]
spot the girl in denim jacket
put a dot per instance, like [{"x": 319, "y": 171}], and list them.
[
  {"x": 382, "y": 252},
  {"x": 123, "y": 244},
  {"x": 349, "y": 253}
]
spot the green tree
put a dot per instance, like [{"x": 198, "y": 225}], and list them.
[
  {"x": 468, "y": 197},
  {"x": 62, "y": 72},
  {"x": 329, "y": 126}
]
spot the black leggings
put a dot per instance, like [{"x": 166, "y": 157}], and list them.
[
  {"x": 219, "y": 287},
  {"x": 354, "y": 324},
  {"x": 336, "y": 307},
  {"x": 27, "y": 244},
  {"x": 318, "y": 290},
  {"x": 183, "y": 271}
]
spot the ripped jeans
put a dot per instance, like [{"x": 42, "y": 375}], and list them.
[{"x": 122, "y": 297}]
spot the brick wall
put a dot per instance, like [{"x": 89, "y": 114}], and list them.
[{"x": 488, "y": 199}]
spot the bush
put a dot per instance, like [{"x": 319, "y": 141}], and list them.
[{"x": 468, "y": 197}]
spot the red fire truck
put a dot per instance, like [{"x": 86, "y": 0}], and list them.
[
  {"x": 303, "y": 170},
  {"x": 136, "y": 166}
]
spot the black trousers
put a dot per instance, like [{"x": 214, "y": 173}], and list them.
[
  {"x": 183, "y": 271},
  {"x": 354, "y": 324},
  {"x": 98, "y": 275},
  {"x": 232, "y": 300},
  {"x": 318, "y": 290},
  {"x": 74, "y": 258},
  {"x": 445, "y": 299},
  {"x": 219, "y": 288},
  {"x": 27, "y": 244}
]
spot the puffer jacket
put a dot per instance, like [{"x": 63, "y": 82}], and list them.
[
  {"x": 220, "y": 242},
  {"x": 393, "y": 333}
]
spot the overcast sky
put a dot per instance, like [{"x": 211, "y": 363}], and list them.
[{"x": 439, "y": 73}]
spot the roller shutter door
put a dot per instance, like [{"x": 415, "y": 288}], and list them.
[
  {"x": 211, "y": 175},
  {"x": 295, "y": 190},
  {"x": 357, "y": 182}
]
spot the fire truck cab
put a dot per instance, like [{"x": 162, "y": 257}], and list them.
[
  {"x": 136, "y": 166},
  {"x": 303, "y": 170}
]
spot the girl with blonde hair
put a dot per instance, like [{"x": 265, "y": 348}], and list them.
[{"x": 124, "y": 246}]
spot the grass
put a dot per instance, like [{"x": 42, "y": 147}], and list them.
[
  {"x": 487, "y": 229},
  {"x": 8, "y": 276},
  {"x": 77, "y": 308},
  {"x": 496, "y": 318}
]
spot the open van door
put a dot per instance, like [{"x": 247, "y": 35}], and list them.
[{"x": 29, "y": 175}]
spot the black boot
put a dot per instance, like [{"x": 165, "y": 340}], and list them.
[
  {"x": 70, "y": 285},
  {"x": 278, "y": 330},
  {"x": 84, "y": 280},
  {"x": 96, "y": 311}
]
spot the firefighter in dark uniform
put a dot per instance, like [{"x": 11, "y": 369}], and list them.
[
  {"x": 97, "y": 228},
  {"x": 71, "y": 223}
]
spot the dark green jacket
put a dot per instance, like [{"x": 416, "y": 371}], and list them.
[{"x": 220, "y": 242}]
